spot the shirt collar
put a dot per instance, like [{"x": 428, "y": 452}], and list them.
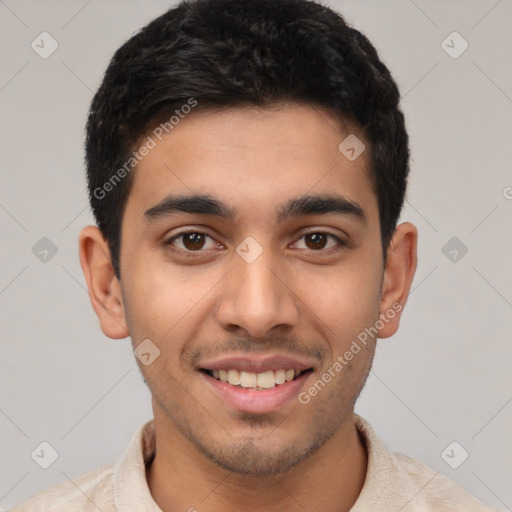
[{"x": 131, "y": 490}]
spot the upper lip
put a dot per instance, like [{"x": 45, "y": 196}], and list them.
[{"x": 256, "y": 364}]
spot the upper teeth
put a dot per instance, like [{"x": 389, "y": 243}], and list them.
[{"x": 254, "y": 380}]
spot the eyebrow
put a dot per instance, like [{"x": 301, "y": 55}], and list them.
[
  {"x": 196, "y": 203},
  {"x": 320, "y": 204},
  {"x": 205, "y": 204}
]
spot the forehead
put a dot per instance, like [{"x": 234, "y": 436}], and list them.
[{"x": 253, "y": 159}]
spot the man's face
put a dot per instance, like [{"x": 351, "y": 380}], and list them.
[{"x": 266, "y": 283}]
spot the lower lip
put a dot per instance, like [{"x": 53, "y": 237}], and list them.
[{"x": 257, "y": 401}]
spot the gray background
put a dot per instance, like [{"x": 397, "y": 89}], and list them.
[{"x": 446, "y": 376}]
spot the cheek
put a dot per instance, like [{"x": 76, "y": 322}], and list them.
[
  {"x": 345, "y": 299},
  {"x": 162, "y": 299}
]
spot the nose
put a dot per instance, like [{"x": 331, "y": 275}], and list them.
[{"x": 257, "y": 298}]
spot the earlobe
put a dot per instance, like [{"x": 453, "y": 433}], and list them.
[
  {"x": 398, "y": 275},
  {"x": 104, "y": 287}
]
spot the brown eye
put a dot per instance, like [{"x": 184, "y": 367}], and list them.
[
  {"x": 316, "y": 240},
  {"x": 193, "y": 241}
]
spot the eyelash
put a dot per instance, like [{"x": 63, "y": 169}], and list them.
[{"x": 189, "y": 253}]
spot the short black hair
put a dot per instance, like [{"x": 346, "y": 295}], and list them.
[{"x": 237, "y": 53}]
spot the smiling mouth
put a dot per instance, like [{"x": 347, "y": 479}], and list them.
[{"x": 256, "y": 381}]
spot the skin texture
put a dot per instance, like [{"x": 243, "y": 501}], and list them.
[{"x": 294, "y": 299}]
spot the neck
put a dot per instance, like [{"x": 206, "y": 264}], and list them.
[{"x": 181, "y": 478}]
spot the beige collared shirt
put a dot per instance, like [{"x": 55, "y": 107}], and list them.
[{"x": 394, "y": 483}]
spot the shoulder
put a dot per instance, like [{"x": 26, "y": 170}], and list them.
[
  {"x": 85, "y": 493},
  {"x": 397, "y": 482},
  {"x": 435, "y": 490},
  {"x": 115, "y": 485}
]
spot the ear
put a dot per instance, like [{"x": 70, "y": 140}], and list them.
[
  {"x": 398, "y": 275},
  {"x": 104, "y": 287}
]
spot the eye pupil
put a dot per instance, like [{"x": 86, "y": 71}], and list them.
[
  {"x": 193, "y": 240},
  {"x": 318, "y": 239}
]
